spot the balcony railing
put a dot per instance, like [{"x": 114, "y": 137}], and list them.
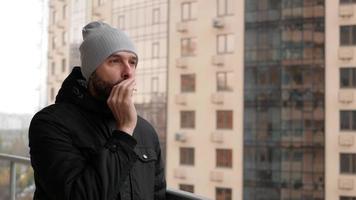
[
  {"x": 172, "y": 194},
  {"x": 13, "y": 161}
]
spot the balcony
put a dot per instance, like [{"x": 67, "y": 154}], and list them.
[
  {"x": 346, "y": 96},
  {"x": 346, "y": 11},
  {"x": 346, "y": 53},
  {"x": 218, "y": 60},
  {"x": 182, "y": 27},
  {"x": 172, "y": 194}
]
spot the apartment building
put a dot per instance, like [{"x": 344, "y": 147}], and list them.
[
  {"x": 58, "y": 46},
  {"x": 246, "y": 99},
  {"x": 205, "y": 104},
  {"x": 340, "y": 106},
  {"x": 284, "y": 100}
]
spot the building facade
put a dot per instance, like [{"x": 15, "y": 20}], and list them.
[
  {"x": 58, "y": 46},
  {"x": 284, "y": 100},
  {"x": 340, "y": 117},
  {"x": 205, "y": 104}
]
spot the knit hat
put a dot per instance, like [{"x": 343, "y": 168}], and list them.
[{"x": 100, "y": 40}]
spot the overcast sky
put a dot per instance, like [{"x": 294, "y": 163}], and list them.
[{"x": 20, "y": 53}]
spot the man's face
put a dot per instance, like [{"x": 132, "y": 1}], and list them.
[{"x": 116, "y": 68}]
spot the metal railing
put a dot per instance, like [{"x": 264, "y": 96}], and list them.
[
  {"x": 172, "y": 194},
  {"x": 13, "y": 161}
]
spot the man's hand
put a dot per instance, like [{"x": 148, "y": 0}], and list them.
[{"x": 121, "y": 105}]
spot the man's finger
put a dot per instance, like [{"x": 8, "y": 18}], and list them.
[
  {"x": 124, "y": 88},
  {"x": 127, "y": 92}
]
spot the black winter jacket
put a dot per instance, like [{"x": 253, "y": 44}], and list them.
[{"x": 77, "y": 154}]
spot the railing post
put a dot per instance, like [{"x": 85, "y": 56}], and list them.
[{"x": 12, "y": 180}]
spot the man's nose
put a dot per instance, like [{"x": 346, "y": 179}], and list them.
[{"x": 127, "y": 71}]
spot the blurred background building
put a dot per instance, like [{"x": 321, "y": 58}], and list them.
[{"x": 252, "y": 99}]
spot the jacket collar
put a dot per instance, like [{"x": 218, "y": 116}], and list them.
[{"x": 74, "y": 90}]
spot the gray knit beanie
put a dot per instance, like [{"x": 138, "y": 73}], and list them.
[{"x": 100, "y": 40}]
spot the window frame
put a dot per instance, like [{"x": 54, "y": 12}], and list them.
[
  {"x": 187, "y": 156},
  {"x": 224, "y": 158},
  {"x": 226, "y": 42},
  {"x": 187, "y": 119},
  {"x": 191, "y": 82},
  {"x": 223, "y": 124}
]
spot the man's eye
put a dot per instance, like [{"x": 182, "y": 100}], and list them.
[
  {"x": 115, "y": 61},
  {"x": 133, "y": 62}
]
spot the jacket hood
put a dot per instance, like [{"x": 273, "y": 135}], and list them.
[{"x": 74, "y": 90}]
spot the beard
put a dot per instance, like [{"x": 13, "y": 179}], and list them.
[{"x": 99, "y": 87}]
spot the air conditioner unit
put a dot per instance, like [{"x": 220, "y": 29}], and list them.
[
  {"x": 217, "y": 98},
  {"x": 180, "y": 99},
  {"x": 179, "y": 173},
  {"x": 182, "y": 27},
  {"x": 218, "y": 23},
  {"x": 180, "y": 137},
  {"x": 346, "y": 140},
  {"x": 218, "y": 60},
  {"x": 346, "y": 96},
  {"x": 217, "y": 137},
  {"x": 181, "y": 63},
  {"x": 216, "y": 176},
  {"x": 346, "y": 53},
  {"x": 346, "y": 11},
  {"x": 346, "y": 184}
]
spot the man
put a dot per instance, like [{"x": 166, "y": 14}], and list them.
[{"x": 90, "y": 144}]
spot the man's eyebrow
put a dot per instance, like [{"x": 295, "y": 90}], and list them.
[
  {"x": 119, "y": 56},
  {"x": 114, "y": 56}
]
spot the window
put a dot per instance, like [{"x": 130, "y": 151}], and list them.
[
  {"x": 348, "y": 35},
  {"x": 188, "y": 46},
  {"x": 225, "y": 43},
  {"x": 348, "y": 120},
  {"x": 154, "y": 84},
  {"x": 187, "y": 188},
  {"x": 64, "y": 11},
  {"x": 224, "y": 7},
  {"x": 100, "y": 2},
  {"x": 64, "y": 65},
  {"x": 155, "y": 15},
  {"x": 347, "y": 1},
  {"x": 54, "y": 17},
  {"x": 348, "y": 163},
  {"x": 187, "y": 82},
  {"x": 347, "y": 198},
  {"x": 347, "y": 77},
  {"x": 121, "y": 21},
  {"x": 224, "y": 158},
  {"x": 186, "y": 156},
  {"x": 223, "y": 193},
  {"x": 187, "y": 119},
  {"x": 224, "y": 119},
  {"x": 224, "y": 81},
  {"x": 52, "y": 94},
  {"x": 155, "y": 50},
  {"x": 54, "y": 42},
  {"x": 53, "y": 68},
  {"x": 64, "y": 38},
  {"x": 188, "y": 11}
]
